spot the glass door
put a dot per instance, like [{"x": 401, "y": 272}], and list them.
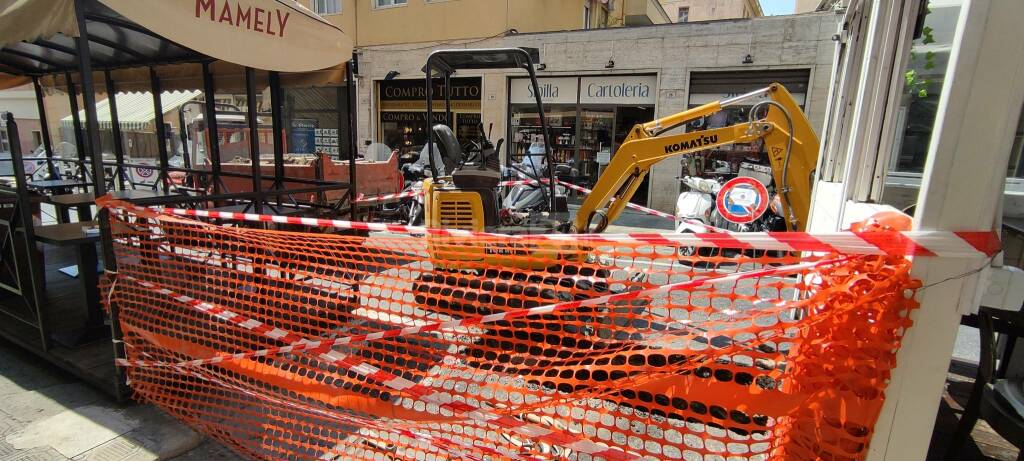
[
  {"x": 595, "y": 144},
  {"x": 625, "y": 119}
]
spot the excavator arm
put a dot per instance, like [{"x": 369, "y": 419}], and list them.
[{"x": 789, "y": 140}]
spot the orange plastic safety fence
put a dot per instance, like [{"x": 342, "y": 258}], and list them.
[{"x": 307, "y": 345}]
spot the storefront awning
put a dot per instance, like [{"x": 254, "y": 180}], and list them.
[
  {"x": 135, "y": 110},
  {"x": 37, "y": 37}
]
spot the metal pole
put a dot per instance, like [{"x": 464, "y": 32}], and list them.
[
  {"x": 544, "y": 133},
  {"x": 106, "y": 237},
  {"x": 430, "y": 117},
  {"x": 24, "y": 204},
  {"x": 76, "y": 121},
  {"x": 92, "y": 138},
  {"x": 254, "y": 138},
  {"x": 276, "y": 119},
  {"x": 115, "y": 128},
  {"x": 447, "y": 101},
  {"x": 212, "y": 140},
  {"x": 44, "y": 127},
  {"x": 158, "y": 124},
  {"x": 351, "y": 109}
]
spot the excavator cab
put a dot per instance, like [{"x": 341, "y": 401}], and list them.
[{"x": 462, "y": 192}]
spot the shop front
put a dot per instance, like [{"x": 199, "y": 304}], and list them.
[
  {"x": 706, "y": 87},
  {"x": 589, "y": 116},
  {"x": 402, "y": 111}
]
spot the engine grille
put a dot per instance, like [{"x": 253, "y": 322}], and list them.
[{"x": 456, "y": 214}]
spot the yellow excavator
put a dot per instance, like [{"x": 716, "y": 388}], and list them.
[{"x": 463, "y": 190}]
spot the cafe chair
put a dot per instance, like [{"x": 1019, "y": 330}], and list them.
[{"x": 994, "y": 398}]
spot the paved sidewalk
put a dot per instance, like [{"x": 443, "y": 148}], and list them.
[{"x": 47, "y": 414}]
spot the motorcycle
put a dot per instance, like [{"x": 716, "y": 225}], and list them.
[
  {"x": 523, "y": 200},
  {"x": 699, "y": 203}
]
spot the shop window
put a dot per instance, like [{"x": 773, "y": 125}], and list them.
[
  {"x": 588, "y": 118},
  {"x": 707, "y": 87},
  {"x": 402, "y": 112},
  {"x": 684, "y": 14},
  {"x": 5, "y": 145},
  {"x": 919, "y": 100},
  {"x": 325, "y": 7},
  {"x": 314, "y": 120},
  {"x": 389, "y": 3}
]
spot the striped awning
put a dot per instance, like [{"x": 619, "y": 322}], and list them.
[{"x": 135, "y": 110}]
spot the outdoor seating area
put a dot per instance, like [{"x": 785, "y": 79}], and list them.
[
  {"x": 57, "y": 242},
  {"x": 293, "y": 229}
]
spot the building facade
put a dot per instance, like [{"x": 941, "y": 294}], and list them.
[
  {"x": 598, "y": 83},
  {"x": 711, "y": 10},
  {"x": 21, "y": 102},
  {"x": 386, "y": 22}
]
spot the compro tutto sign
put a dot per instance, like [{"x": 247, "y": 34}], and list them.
[{"x": 640, "y": 90}]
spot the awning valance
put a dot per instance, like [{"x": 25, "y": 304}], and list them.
[
  {"x": 135, "y": 110},
  {"x": 37, "y": 36}
]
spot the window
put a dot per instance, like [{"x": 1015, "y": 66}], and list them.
[
  {"x": 389, "y": 3},
  {"x": 327, "y": 6},
  {"x": 684, "y": 14},
  {"x": 5, "y": 145},
  {"x": 37, "y": 138},
  {"x": 586, "y": 13}
]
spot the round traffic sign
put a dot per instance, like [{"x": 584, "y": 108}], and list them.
[{"x": 742, "y": 200}]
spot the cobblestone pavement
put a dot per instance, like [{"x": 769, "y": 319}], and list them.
[{"x": 49, "y": 415}]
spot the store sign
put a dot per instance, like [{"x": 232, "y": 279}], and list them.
[
  {"x": 554, "y": 90},
  {"x": 698, "y": 99},
  {"x": 411, "y": 117},
  {"x": 463, "y": 89},
  {"x": 638, "y": 90}
]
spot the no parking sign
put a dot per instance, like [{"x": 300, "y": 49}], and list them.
[{"x": 742, "y": 200}]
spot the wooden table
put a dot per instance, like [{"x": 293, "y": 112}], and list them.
[
  {"x": 57, "y": 186},
  {"x": 82, "y": 201},
  {"x": 141, "y": 196},
  {"x": 71, "y": 234}
]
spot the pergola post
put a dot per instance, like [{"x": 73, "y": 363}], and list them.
[
  {"x": 961, "y": 189},
  {"x": 115, "y": 128},
  {"x": 254, "y": 139},
  {"x": 350, "y": 108},
  {"x": 76, "y": 122},
  {"x": 213, "y": 141},
  {"x": 44, "y": 126},
  {"x": 277, "y": 122},
  {"x": 158, "y": 124},
  {"x": 99, "y": 188}
]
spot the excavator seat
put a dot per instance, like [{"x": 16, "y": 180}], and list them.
[{"x": 481, "y": 182}]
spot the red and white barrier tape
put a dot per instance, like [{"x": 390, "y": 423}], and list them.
[
  {"x": 387, "y": 197},
  {"x": 915, "y": 243},
  {"x": 417, "y": 391},
  {"x": 324, "y": 345},
  {"x": 698, "y": 226}
]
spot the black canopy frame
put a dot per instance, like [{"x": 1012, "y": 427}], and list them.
[{"x": 108, "y": 41}]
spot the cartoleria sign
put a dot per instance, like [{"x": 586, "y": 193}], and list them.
[{"x": 625, "y": 89}]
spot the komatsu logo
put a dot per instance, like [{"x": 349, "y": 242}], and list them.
[{"x": 692, "y": 144}]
